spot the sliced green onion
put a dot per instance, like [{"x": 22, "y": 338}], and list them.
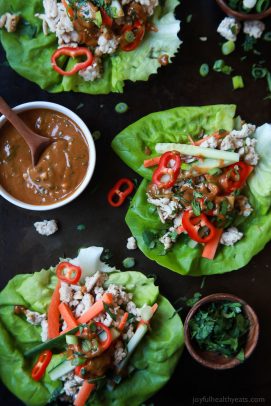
[
  {"x": 121, "y": 108},
  {"x": 81, "y": 227},
  {"x": 258, "y": 72},
  {"x": 237, "y": 82},
  {"x": 220, "y": 66},
  {"x": 228, "y": 47},
  {"x": 70, "y": 339},
  {"x": 267, "y": 36},
  {"x": 204, "y": 70},
  {"x": 128, "y": 262},
  {"x": 262, "y": 5},
  {"x": 129, "y": 36},
  {"x": 189, "y": 18}
]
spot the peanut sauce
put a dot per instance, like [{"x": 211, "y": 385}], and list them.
[{"x": 61, "y": 167}]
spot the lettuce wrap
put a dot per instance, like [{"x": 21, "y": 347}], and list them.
[
  {"x": 29, "y": 51},
  {"x": 176, "y": 125},
  {"x": 154, "y": 359}
]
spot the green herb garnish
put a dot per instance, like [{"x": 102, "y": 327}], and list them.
[
  {"x": 204, "y": 70},
  {"x": 149, "y": 238},
  {"x": 81, "y": 227},
  {"x": 193, "y": 300},
  {"x": 121, "y": 108},
  {"x": 220, "y": 327},
  {"x": 128, "y": 262},
  {"x": 111, "y": 314}
]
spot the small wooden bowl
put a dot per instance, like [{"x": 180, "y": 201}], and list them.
[
  {"x": 242, "y": 16},
  {"x": 211, "y": 359}
]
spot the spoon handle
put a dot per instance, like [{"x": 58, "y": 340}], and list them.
[{"x": 15, "y": 120}]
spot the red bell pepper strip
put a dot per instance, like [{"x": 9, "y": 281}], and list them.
[
  {"x": 151, "y": 162},
  {"x": 78, "y": 369},
  {"x": 68, "y": 273},
  {"x": 235, "y": 176},
  {"x": 167, "y": 170},
  {"x": 192, "y": 229},
  {"x": 105, "y": 344},
  {"x": 210, "y": 247},
  {"x": 116, "y": 196},
  {"x": 53, "y": 313},
  {"x": 84, "y": 393},
  {"x": 74, "y": 53},
  {"x": 107, "y": 20},
  {"x": 132, "y": 35},
  {"x": 40, "y": 367}
]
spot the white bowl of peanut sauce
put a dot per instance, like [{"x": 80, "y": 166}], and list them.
[{"x": 64, "y": 169}]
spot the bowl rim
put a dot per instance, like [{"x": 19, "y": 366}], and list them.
[
  {"x": 243, "y": 16},
  {"x": 254, "y": 327},
  {"x": 91, "y": 147}
]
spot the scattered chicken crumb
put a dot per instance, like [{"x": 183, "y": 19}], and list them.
[
  {"x": 131, "y": 243},
  {"x": 254, "y": 28},
  {"x": 231, "y": 236},
  {"x": 46, "y": 227}
]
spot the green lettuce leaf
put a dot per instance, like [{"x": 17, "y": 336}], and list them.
[
  {"x": 176, "y": 125},
  {"x": 168, "y": 126},
  {"x": 142, "y": 220},
  {"x": 154, "y": 359},
  {"x": 260, "y": 182},
  {"x": 28, "y": 51}
]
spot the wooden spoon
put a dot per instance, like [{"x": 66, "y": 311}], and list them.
[{"x": 36, "y": 142}]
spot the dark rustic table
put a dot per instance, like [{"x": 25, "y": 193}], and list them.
[{"x": 22, "y": 250}]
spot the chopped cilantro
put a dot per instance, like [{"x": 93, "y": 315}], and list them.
[
  {"x": 111, "y": 314},
  {"x": 220, "y": 327},
  {"x": 149, "y": 238},
  {"x": 196, "y": 207},
  {"x": 193, "y": 300}
]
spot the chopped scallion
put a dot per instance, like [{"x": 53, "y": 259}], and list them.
[
  {"x": 237, "y": 82},
  {"x": 204, "y": 70},
  {"x": 121, "y": 108},
  {"x": 228, "y": 47}
]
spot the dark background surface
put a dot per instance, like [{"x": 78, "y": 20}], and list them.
[{"x": 22, "y": 250}]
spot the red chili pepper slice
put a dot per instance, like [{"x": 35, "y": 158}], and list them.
[
  {"x": 167, "y": 169},
  {"x": 40, "y": 367},
  {"x": 132, "y": 35},
  {"x": 116, "y": 196},
  {"x": 192, "y": 224},
  {"x": 235, "y": 176},
  {"x": 107, "y": 20},
  {"x": 105, "y": 344},
  {"x": 68, "y": 273},
  {"x": 74, "y": 53}
]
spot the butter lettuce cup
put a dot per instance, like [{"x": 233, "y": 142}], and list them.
[
  {"x": 64, "y": 169},
  {"x": 221, "y": 331},
  {"x": 88, "y": 334}
]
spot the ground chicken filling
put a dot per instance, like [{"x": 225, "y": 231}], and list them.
[
  {"x": 213, "y": 199},
  {"x": 101, "y": 27},
  {"x": 97, "y": 364}
]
